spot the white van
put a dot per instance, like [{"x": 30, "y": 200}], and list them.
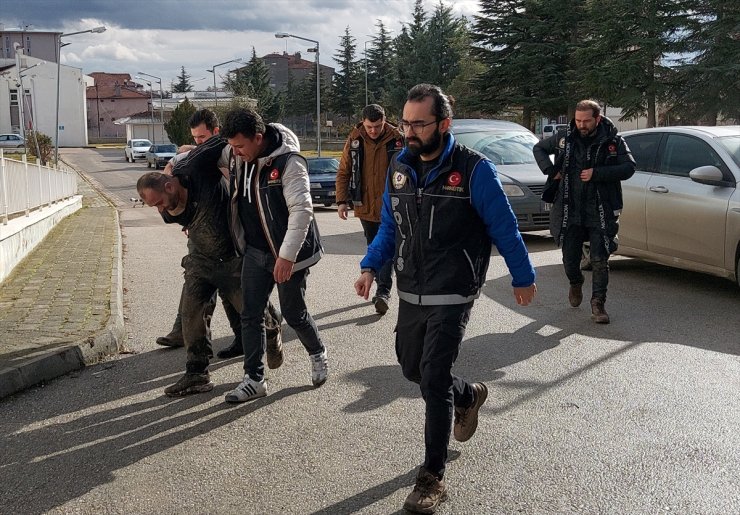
[{"x": 549, "y": 129}]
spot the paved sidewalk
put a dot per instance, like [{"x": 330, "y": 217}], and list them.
[{"x": 61, "y": 308}]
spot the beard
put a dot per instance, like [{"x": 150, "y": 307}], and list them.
[{"x": 417, "y": 147}]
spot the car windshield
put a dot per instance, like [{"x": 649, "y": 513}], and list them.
[
  {"x": 143, "y": 143},
  {"x": 321, "y": 166},
  {"x": 732, "y": 145},
  {"x": 501, "y": 147},
  {"x": 166, "y": 148}
]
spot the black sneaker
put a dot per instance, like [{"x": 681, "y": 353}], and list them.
[
  {"x": 190, "y": 383},
  {"x": 232, "y": 351},
  {"x": 427, "y": 494}
]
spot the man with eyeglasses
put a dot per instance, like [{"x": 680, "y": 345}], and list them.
[
  {"x": 361, "y": 179},
  {"x": 443, "y": 206}
]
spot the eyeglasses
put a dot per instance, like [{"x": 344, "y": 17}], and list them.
[{"x": 415, "y": 127}]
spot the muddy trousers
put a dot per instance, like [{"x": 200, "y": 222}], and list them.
[{"x": 427, "y": 344}]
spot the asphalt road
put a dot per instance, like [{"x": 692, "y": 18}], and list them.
[{"x": 640, "y": 416}]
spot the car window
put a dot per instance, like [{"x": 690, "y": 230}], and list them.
[
  {"x": 319, "y": 166},
  {"x": 166, "y": 148},
  {"x": 3, "y": 138},
  {"x": 732, "y": 145},
  {"x": 503, "y": 148},
  {"x": 644, "y": 148},
  {"x": 683, "y": 153}
]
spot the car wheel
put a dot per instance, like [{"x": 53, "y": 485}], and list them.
[
  {"x": 327, "y": 204},
  {"x": 148, "y": 164},
  {"x": 156, "y": 166},
  {"x": 132, "y": 159}
]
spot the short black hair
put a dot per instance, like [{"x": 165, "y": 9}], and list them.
[
  {"x": 442, "y": 107},
  {"x": 153, "y": 181},
  {"x": 373, "y": 113},
  {"x": 244, "y": 121},
  {"x": 206, "y": 116}
]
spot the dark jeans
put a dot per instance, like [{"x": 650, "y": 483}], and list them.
[
  {"x": 257, "y": 284},
  {"x": 573, "y": 241},
  {"x": 427, "y": 343},
  {"x": 202, "y": 278},
  {"x": 383, "y": 279}
]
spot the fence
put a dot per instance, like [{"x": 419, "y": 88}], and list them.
[{"x": 27, "y": 186}]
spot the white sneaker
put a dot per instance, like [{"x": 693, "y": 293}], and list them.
[
  {"x": 319, "y": 368},
  {"x": 247, "y": 390}
]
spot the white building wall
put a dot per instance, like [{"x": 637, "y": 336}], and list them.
[{"x": 41, "y": 81}]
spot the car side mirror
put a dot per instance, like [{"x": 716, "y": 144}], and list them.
[{"x": 710, "y": 175}]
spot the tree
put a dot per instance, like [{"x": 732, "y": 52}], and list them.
[
  {"x": 39, "y": 145},
  {"x": 707, "y": 84},
  {"x": 348, "y": 94},
  {"x": 627, "y": 56},
  {"x": 253, "y": 81},
  {"x": 526, "y": 47},
  {"x": 183, "y": 84},
  {"x": 447, "y": 42},
  {"x": 178, "y": 127},
  {"x": 380, "y": 66}
]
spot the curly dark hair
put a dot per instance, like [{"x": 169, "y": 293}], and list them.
[{"x": 204, "y": 116}]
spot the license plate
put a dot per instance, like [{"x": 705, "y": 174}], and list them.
[
  {"x": 315, "y": 185},
  {"x": 546, "y": 207}
]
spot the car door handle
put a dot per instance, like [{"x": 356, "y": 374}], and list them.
[{"x": 658, "y": 189}]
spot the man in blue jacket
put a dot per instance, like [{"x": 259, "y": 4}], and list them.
[{"x": 443, "y": 206}]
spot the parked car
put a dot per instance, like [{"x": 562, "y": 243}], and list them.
[
  {"x": 682, "y": 205},
  {"x": 550, "y": 129},
  {"x": 322, "y": 172},
  {"x": 159, "y": 155},
  {"x": 136, "y": 149},
  {"x": 509, "y": 146},
  {"x": 14, "y": 141}
]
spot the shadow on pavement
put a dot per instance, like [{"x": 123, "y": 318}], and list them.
[{"x": 45, "y": 466}]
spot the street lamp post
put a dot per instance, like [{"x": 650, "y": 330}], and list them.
[
  {"x": 366, "y": 99},
  {"x": 213, "y": 71},
  {"x": 96, "y": 30},
  {"x": 151, "y": 107},
  {"x": 280, "y": 35},
  {"x": 161, "y": 102}
]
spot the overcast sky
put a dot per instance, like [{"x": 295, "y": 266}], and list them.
[{"x": 160, "y": 36}]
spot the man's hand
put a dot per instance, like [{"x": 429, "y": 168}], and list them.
[
  {"x": 587, "y": 174},
  {"x": 525, "y": 295},
  {"x": 342, "y": 211},
  {"x": 282, "y": 271},
  {"x": 168, "y": 169},
  {"x": 363, "y": 284}
]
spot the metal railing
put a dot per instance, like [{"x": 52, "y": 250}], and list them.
[{"x": 25, "y": 186}]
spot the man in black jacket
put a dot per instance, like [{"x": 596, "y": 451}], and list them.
[{"x": 591, "y": 160}]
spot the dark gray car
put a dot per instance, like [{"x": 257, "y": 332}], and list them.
[{"x": 509, "y": 146}]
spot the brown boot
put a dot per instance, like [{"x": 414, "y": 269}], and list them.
[
  {"x": 575, "y": 295},
  {"x": 173, "y": 339},
  {"x": 428, "y": 493},
  {"x": 466, "y": 419},
  {"x": 598, "y": 313}
]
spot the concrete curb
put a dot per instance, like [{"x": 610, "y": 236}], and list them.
[{"x": 88, "y": 350}]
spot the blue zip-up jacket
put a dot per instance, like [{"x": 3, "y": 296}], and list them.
[{"x": 440, "y": 233}]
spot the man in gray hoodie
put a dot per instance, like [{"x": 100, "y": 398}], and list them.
[{"x": 271, "y": 218}]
